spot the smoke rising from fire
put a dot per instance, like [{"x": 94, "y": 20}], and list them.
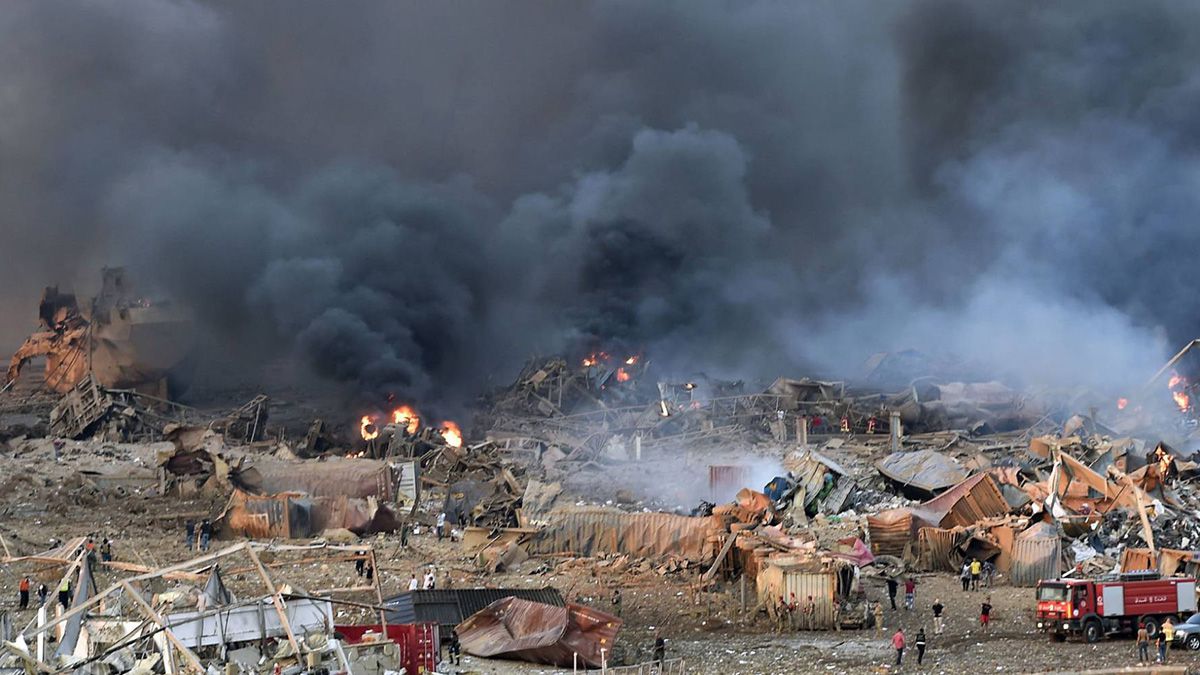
[{"x": 416, "y": 196}]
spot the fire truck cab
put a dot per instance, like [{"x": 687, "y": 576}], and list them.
[{"x": 1094, "y": 608}]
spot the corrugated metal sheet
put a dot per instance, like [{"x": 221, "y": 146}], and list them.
[
  {"x": 1034, "y": 559},
  {"x": 540, "y": 633},
  {"x": 937, "y": 548},
  {"x": 925, "y": 469},
  {"x": 967, "y": 503},
  {"x": 332, "y": 478},
  {"x": 775, "y": 582},
  {"x": 448, "y": 607},
  {"x": 587, "y": 531},
  {"x": 890, "y": 531}
]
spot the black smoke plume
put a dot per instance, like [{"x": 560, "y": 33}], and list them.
[{"x": 414, "y": 196}]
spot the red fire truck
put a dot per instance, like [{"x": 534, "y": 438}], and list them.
[{"x": 1097, "y": 607}]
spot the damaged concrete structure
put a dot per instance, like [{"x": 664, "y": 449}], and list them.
[{"x": 120, "y": 339}]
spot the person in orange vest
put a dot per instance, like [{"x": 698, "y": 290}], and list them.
[{"x": 24, "y": 589}]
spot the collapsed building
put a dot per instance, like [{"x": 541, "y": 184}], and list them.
[{"x": 120, "y": 339}]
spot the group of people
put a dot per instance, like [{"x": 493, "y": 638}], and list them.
[
  {"x": 190, "y": 531},
  {"x": 428, "y": 584},
  {"x": 1163, "y": 640},
  {"x": 786, "y": 611},
  {"x": 975, "y": 571}
]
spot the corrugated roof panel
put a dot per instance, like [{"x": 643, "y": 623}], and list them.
[{"x": 449, "y": 606}]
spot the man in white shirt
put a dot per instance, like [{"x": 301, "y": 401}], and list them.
[
  {"x": 412, "y": 583},
  {"x": 430, "y": 580}
]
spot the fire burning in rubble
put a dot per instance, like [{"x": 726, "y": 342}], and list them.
[
  {"x": 407, "y": 417},
  {"x": 1122, "y": 403},
  {"x": 595, "y": 359},
  {"x": 367, "y": 429},
  {"x": 452, "y": 434},
  {"x": 1178, "y": 385},
  {"x": 622, "y": 375}
]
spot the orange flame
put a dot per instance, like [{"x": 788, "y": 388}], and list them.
[
  {"x": 367, "y": 429},
  {"x": 452, "y": 434},
  {"x": 631, "y": 360},
  {"x": 1121, "y": 403},
  {"x": 1182, "y": 400},
  {"x": 622, "y": 375},
  {"x": 594, "y": 359},
  {"x": 408, "y": 417},
  {"x": 1177, "y": 383}
]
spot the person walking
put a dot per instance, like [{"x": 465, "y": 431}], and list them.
[
  {"x": 878, "y": 618},
  {"x": 455, "y": 649},
  {"x": 360, "y": 563},
  {"x": 939, "y": 623},
  {"x": 898, "y": 644},
  {"x": 985, "y": 612},
  {"x": 920, "y": 646},
  {"x": 616, "y": 601},
  {"x": 1143, "y": 644},
  {"x": 810, "y": 614},
  {"x": 964, "y": 576},
  {"x": 23, "y": 590},
  {"x": 440, "y": 527},
  {"x": 989, "y": 571},
  {"x": 404, "y": 534},
  {"x": 892, "y": 586},
  {"x": 430, "y": 580},
  {"x": 792, "y": 608},
  {"x": 106, "y": 550},
  {"x": 1161, "y": 643},
  {"x": 910, "y": 593},
  {"x": 189, "y": 534},
  {"x": 780, "y": 614},
  {"x": 42, "y": 593},
  {"x": 976, "y": 570},
  {"x": 660, "y": 650},
  {"x": 413, "y": 584}
]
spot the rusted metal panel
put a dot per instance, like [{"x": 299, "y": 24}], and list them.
[
  {"x": 1169, "y": 560},
  {"x": 1034, "y": 559},
  {"x": 781, "y": 581},
  {"x": 540, "y": 633},
  {"x": 587, "y": 531},
  {"x": 258, "y": 517},
  {"x": 725, "y": 480},
  {"x": 348, "y": 477},
  {"x": 967, "y": 503},
  {"x": 936, "y": 548},
  {"x": 890, "y": 531}
]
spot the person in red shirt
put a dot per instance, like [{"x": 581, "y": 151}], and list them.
[
  {"x": 985, "y": 611},
  {"x": 898, "y": 643},
  {"x": 910, "y": 593},
  {"x": 23, "y": 587}
]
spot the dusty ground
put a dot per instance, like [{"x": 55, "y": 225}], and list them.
[{"x": 38, "y": 504}]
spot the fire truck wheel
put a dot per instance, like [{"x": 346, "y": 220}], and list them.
[
  {"x": 1151, "y": 623},
  {"x": 1193, "y": 642},
  {"x": 1092, "y": 631}
]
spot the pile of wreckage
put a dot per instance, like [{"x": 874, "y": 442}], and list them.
[{"x": 185, "y": 619}]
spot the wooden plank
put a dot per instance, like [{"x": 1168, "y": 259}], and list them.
[
  {"x": 720, "y": 556},
  {"x": 277, "y": 601},
  {"x": 188, "y": 654}
]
